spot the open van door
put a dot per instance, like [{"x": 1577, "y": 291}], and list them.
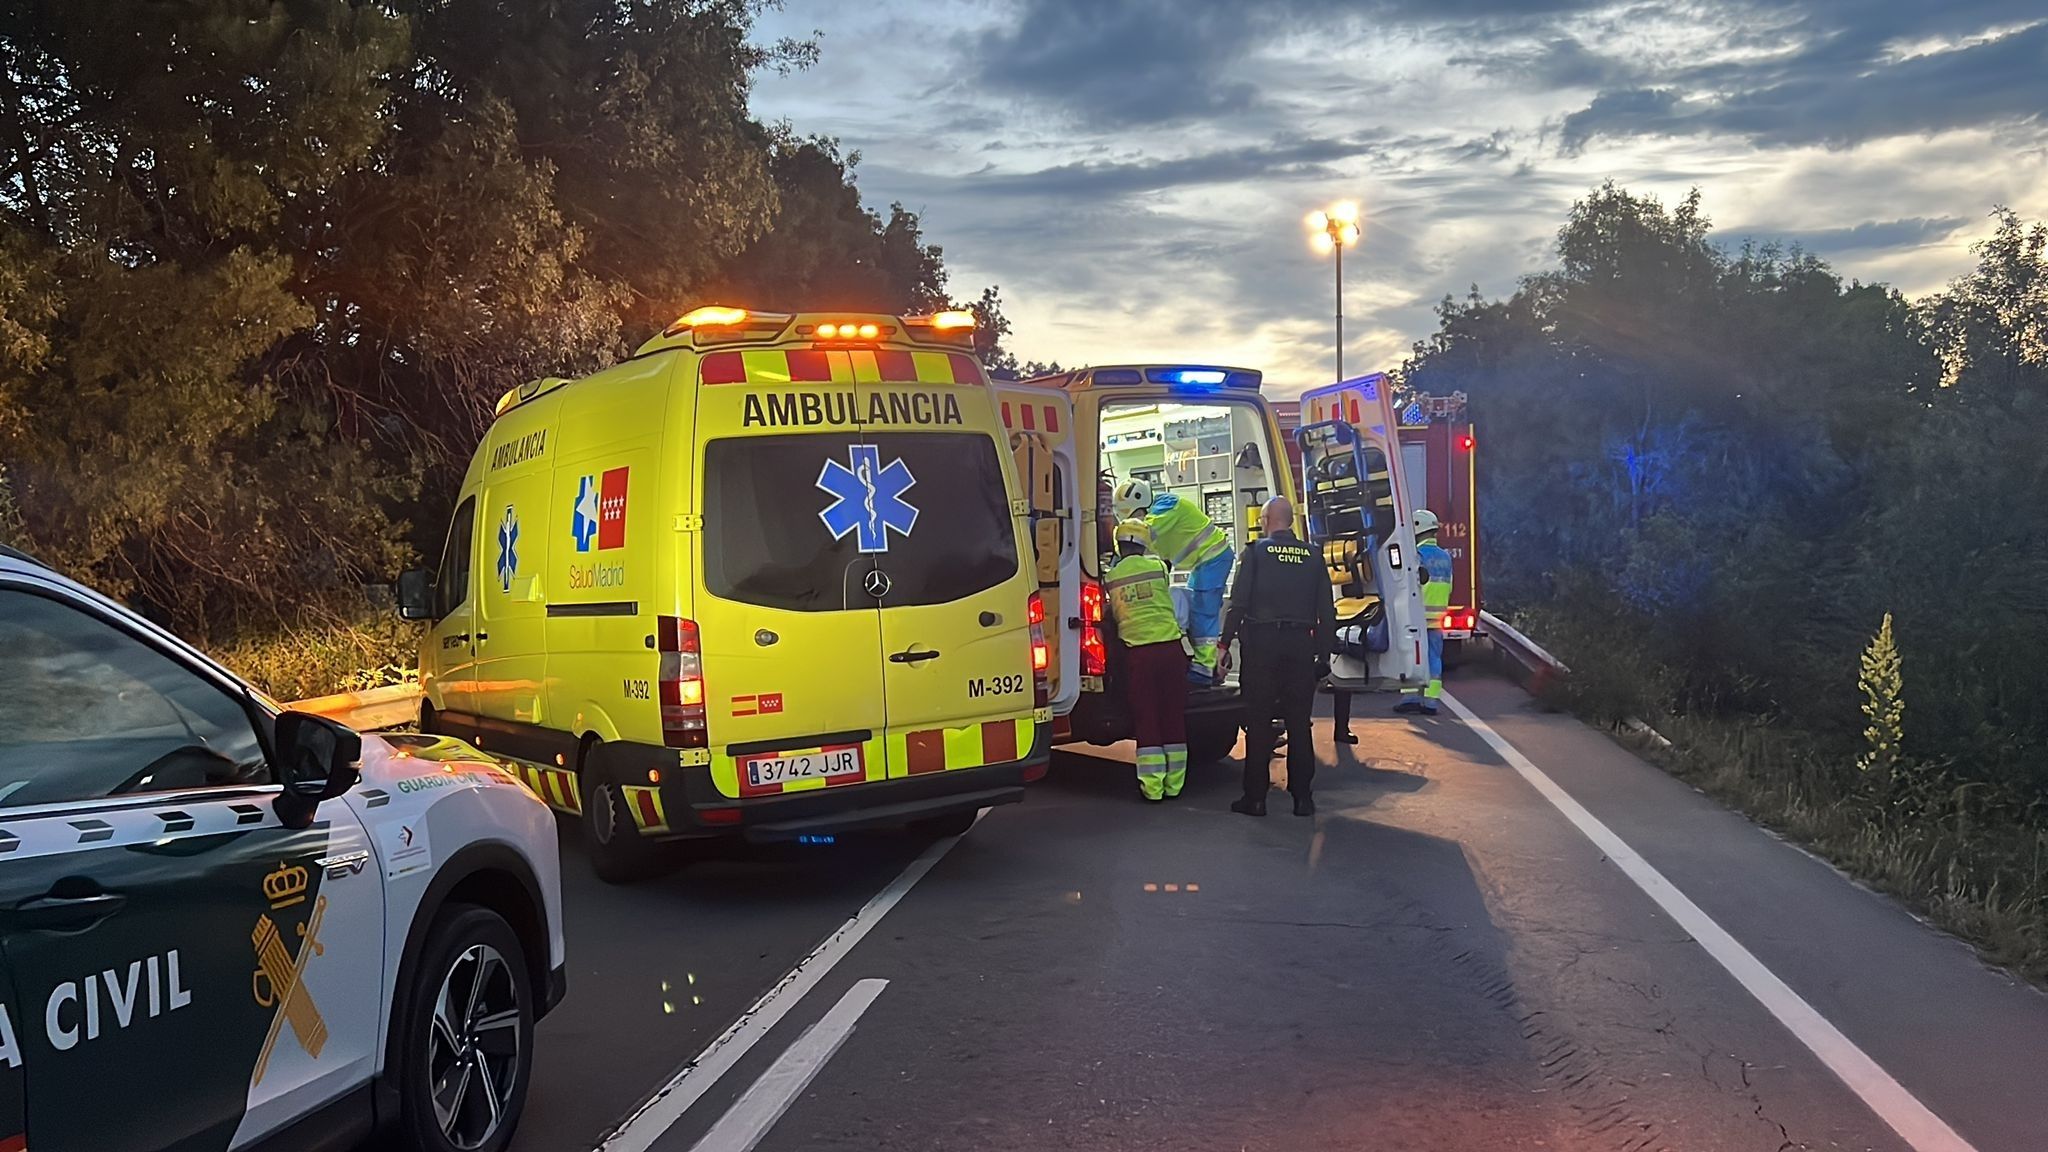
[
  {"x": 1040, "y": 425},
  {"x": 1360, "y": 515}
]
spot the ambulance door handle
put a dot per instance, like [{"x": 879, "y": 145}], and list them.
[
  {"x": 911, "y": 656},
  {"x": 482, "y": 636}
]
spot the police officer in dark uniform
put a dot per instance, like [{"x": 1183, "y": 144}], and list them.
[{"x": 1281, "y": 609}]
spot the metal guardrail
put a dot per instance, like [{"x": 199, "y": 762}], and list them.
[
  {"x": 1522, "y": 658},
  {"x": 368, "y": 710}
]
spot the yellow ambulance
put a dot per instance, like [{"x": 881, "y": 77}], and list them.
[{"x": 767, "y": 579}]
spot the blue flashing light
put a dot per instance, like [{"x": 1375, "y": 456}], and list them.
[
  {"x": 1109, "y": 376},
  {"x": 1198, "y": 376}
]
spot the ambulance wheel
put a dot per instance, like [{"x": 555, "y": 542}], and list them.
[
  {"x": 468, "y": 1035},
  {"x": 951, "y": 824},
  {"x": 1211, "y": 738},
  {"x": 618, "y": 853}
]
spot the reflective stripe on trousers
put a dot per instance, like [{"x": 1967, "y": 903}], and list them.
[
  {"x": 1205, "y": 611},
  {"x": 1176, "y": 768},
  {"x": 1435, "y": 688},
  {"x": 1152, "y": 772}
]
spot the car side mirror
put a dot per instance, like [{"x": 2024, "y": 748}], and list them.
[
  {"x": 416, "y": 594},
  {"x": 317, "y": 759}
]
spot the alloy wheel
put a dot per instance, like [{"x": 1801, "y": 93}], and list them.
[{"x": 473, "y": 1046}]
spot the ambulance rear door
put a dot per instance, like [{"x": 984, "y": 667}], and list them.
[
  {"x": 1040, "y": 425},
  {"x": 788, "y": 624},
  {"x": 1366, "y": 404},
  {"x": 956, "y": 583}
]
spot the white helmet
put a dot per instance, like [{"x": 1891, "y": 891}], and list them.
[
  {"x": 1132, "y": 496},
  {"x": 1425, "y": 523}
]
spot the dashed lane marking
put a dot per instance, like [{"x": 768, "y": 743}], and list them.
[
  {"x": 638, "y": 1131},
  {"x": 755, "y": 1113},
  {"x": 1915, "y": 1123}
]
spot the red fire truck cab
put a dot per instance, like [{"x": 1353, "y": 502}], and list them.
[{"x": 1437, "y": 453}]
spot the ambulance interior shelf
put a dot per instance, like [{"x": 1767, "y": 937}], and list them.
[{"x": 1212, "y": 451}]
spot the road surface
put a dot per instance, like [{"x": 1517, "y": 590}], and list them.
[{"x": 1442, "y": 958}]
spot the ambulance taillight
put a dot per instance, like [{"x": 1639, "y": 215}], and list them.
[
  {"x": 1094, "y": 654},
  {"x": 1041, "y": 653},
  {"x": 682, "y": 684}
]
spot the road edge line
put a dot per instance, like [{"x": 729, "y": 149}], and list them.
[
  {"x": 1903, "y": 1112},
  {"x": 646, "y": 1124},
  {"x": 758, "y": 1109}
]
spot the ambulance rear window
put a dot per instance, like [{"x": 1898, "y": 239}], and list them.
[{"x": 799, "y": 522}]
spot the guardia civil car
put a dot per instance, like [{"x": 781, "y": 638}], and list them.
[{"x": 225, "y": 925}]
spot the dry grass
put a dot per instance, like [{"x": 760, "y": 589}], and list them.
[
  {"x": 375, "y": 650},
  {"x": 1969, "y": 866}
]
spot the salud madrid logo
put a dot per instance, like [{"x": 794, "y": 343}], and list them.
[
  {"x": 869, "y": 498},
  {"x": 600, "y": 514}
]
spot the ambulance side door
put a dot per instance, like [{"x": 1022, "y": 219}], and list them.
[{"x": 164, "y": 931}]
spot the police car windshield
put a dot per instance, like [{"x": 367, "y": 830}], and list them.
[{"x": 88, "y": 711}]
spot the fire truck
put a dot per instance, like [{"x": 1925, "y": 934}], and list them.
[
  {"x": 1438, "y": 450},
  {"x": 1437, "y": 453}
]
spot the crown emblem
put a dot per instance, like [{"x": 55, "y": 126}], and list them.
[{"x": 286, "y": 886}]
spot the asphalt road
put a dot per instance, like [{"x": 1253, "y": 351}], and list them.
[{"x": 1440, "y": 959}]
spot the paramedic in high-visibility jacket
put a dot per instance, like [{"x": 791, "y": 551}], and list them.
[
  {"x": 1140, "y": 594},
  {"x": 1435, "y": 567},
  {"x": 1183, "y": 537}
]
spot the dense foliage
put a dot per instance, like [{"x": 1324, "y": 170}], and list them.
[
  {"x": 266, "y": 264},
  {"x": 1714, "y": 473}
]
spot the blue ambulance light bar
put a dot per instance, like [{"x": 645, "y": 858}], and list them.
[{"x": 1196, "y": 377}]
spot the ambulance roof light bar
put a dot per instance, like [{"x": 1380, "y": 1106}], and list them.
[{"x": 953, "y": 326}]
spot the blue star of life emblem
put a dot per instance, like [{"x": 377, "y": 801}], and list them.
[
  {"x": 508, "y": 549},
  {"x": 584, "y": 524},
  {"x": 869, "y": 498}
]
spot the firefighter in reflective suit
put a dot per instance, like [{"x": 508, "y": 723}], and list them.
[
  {"x": 1141, "y": 600},
  {"x": 1281, "y": 609}
]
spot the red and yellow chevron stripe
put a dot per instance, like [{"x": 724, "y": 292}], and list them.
[
  {"x": 556, "y": 787},
  {"x": 838, "y": 366},
  {"x": 1031, "y": 417},
  {"x": 648, "y": 813}
]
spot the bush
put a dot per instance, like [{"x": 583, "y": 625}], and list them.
[{"x": 370, "y": 651}]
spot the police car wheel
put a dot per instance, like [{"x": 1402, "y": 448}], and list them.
[
  {"x": 468, "y": 1035},
  {"x": 618, "y": 853}
]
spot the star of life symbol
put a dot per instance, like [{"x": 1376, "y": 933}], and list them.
[
  {"x": 869, "y": 498},
  {"x": 585, "y": 526},
  {"x": 508, "y": 549}
]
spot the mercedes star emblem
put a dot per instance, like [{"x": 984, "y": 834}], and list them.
[{"x": 876, "y": 583}]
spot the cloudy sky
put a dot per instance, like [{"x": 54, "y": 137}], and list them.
[{"x": 1134, "y": 173}]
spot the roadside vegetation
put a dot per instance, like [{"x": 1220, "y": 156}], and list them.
[
  {"x": 1798, "y": 526},
  {"x": 266, "y": 268}
]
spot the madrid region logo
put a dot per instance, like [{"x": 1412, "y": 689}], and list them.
[
  {"x": 869, "y": 498},
  {"x": 508, "y": 549},
  {"x": 600, "y": 515}
]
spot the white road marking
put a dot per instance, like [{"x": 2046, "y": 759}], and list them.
[
  {"x": 747, "y": 1121},
  {"x": 639, "y": 1131},
  {"x": 1915, "y": 1123}
]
